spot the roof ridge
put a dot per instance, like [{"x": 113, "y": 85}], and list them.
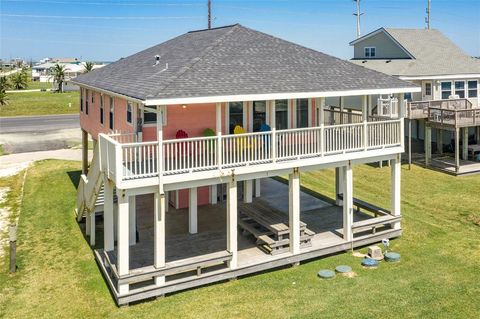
[{"x": 196, "y": 60}]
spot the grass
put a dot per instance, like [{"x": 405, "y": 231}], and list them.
[
  {"x": 38, "y": 85},
  {"x": 438, "y": 276},
  {"x": 40, "y": 103},
  {"x": 2, "y": 150}
]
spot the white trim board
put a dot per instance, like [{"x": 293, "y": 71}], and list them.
[
  {"x": 277, "y": 96},
  {"x": 440, "y": 77}
]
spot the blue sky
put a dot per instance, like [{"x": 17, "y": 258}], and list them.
[{"x": 106, "y": 30}]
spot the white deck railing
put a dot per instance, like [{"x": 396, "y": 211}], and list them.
[{"x": 182, "y": 156}]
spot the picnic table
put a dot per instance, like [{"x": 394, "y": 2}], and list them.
[
  {"x": 270, "y": 227},
  {"x": 472, "y": 149}
]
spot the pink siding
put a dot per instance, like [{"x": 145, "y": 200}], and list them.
[{"x": 91, "y": 122}]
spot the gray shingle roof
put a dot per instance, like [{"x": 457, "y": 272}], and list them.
[
  {"x": 434, "y": 54},
  {"x": 232, "y": 60}
]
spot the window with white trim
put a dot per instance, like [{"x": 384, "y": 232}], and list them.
[
  {"x": 129, "y": 112},
  {"x": 370, "y": 52},
  {"x": 428, "y": 88},
  {"x": 82, "y": 91},
  {"x": 460, "y": 89},
  {"x": 151, "y": 117},
  {"x": 259, "y": 115},
  {"x": 101, "y": 109},
  {"x": 473, "y": 88},
  {"x": 281, "y": 114},
  {"x": 302, "y": 113},
  {"x": 86, "y": 101},
  {"x": 235, "y": 115},
  {"x": 446, "y": 88},
  {"x": 111, "y": 113}
]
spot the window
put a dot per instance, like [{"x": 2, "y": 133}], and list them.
[
  {"x": 111, "y": 113},
  {"x": 460, "y": 89},
  {"x": 446, "y": 90},
  {"x": 101, "y": 109},
  {"x": 472, "y": 88},
  {"x": 93, "y": 98},
  {"x": 149, "y": 117},
  {"x": 370, "y": 52},
  {"x": 407, "y": 96},
  {"x": 86, "y": 101},
  {"x": 82, "y": 91},
  {"x": 428, "y": 88},
  {"x": 129, "y": 112},
  {"x": 259, "y": 114},
  {"x": 302, "y": 113},
  {"x": 235, "y": 115},
  {"x": 281, "y": 114}
]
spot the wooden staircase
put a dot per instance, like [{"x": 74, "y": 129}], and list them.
[{"x": 90, "y": 189}]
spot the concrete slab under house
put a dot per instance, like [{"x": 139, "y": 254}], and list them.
[
  {"x": 447, "y": 105},
  {"x": 187, "y": 136}
]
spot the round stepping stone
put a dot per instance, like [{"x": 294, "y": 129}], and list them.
[
  {"x": 369, "y": 262},
  {"x": 342, "y": 269},
  {"x": 392, "y": 257},
  {"x": 326, "y": 274}
]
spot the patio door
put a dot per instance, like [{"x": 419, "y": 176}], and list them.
[{"x": 427, "y": 89}]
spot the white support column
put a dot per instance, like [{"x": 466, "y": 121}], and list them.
[
  {"x": 123, "y": 258},
  {"x": 213, "y": 190},
  {"x": 88, "y": 227},
  {"x": 294, "y": 210},
  {"x": 132, "y": 220},
  {"x": 159, "y": 235},
  {"x": 247, "y": 191},
  {"x": 439, "y": 141},
  {"x": 166, "y": 201},
  {"x": 465, "y": 144},
  {"x": 192, "y": 211},
  {"x": 428, "y": 144},
  {"x": 92, "y": 228},
  {"x": 257, "y": 187},
  {"x": 457, "y": 149},
  {"x": 213, "y": 194},
  {"x": 232, "y": 222},
  {"x": 347, "y": 202},
  {"x": 108, "y": 225},
  {"x": 395, "y": 189},
  {"x": 338, "y": 185},
  {"x": 341, "y": 102},
  {"x": 84, "y": 152}
]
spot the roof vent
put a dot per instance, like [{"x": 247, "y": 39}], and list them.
[
  {"x": 388, "y": 61},
  {"x": 157, "y": 59},
  {"x": 364, "y": 61}
]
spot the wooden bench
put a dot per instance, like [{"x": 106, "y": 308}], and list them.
[
  {"x": 270, "y": 227},
  {"x": 372, "y": 223},
  {"x": 177, "y": 267},
  {"x": 360, "y": 204}
]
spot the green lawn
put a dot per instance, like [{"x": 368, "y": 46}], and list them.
[
  {"x": 40, "y": 103},
  {"x": 38, "y": 85},
  {"x": 438, "y": 277}
]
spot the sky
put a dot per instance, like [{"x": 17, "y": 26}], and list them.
[{"x": 106, "y": 30}]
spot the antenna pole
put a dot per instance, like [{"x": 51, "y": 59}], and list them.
[
  {"x": 209, "y": 14},
  {"x": 358, "y": 14},
  {"x": 427, "y": 19}
]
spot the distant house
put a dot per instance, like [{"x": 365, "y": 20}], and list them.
[
  {"x": 184, "y": 129},
  {"x": 41, "y": 72},
  {"x": 449, "y": 79}
]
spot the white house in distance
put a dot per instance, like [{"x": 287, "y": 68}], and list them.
[
  {"x": 41, "y": 72},
  {"x": 449, "y": 100},
  {"x": 187, "y": 135}
]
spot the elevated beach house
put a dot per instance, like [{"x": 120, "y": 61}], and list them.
[
  {"x": 187, "y": 135},
  {"x": 448, "y": 103}
]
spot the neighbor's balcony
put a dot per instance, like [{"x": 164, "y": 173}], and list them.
[
  {"x": 444, "y": 111},
  {"x": 126, "y": 161}
]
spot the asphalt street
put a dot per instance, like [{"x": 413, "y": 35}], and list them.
[{"x": 24, "y": 124}]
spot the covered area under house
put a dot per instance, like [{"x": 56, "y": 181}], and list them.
[{"x": 456, "y": 124}]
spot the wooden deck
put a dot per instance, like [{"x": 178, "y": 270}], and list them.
[
  {"x": 198, "y": 259},
  {"x": 446, "y": 164}
]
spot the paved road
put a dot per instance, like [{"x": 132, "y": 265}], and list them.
[{"x": 38, "y": 123}]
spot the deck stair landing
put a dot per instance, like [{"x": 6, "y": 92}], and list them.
[
  {"x": 270, "y": 227},
  {"x": 90, "y": 188}
]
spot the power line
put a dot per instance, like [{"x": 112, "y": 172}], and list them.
[{"x": 100, "y": 17}]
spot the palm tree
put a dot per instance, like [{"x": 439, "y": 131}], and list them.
[
  {"x": 4, "y": 84},
  {"x": 89, "y": 66},
  {"x": 3, "y": 98},
  {"x": 58, "y": 73},
  {"x": 19, "y": 80}
]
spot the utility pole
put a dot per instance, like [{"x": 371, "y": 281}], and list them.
[
  {"x": 427, "y": 19},
  {"x": 209, "y": 14},
  {"x": 358, "y": 14}
]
